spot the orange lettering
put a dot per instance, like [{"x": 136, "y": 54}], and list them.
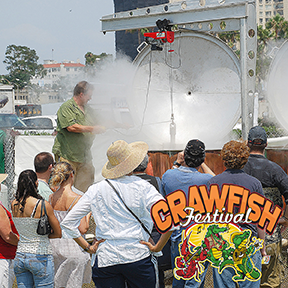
[
  {"x": 195, "y": 200},
  {"x": 161, "y": 207},
  {"x": 268, "y": 216},
  {"x": 254, "y": 201},
  {"x": 244, "y": 201},
  {"x": 234, "y": 198},
  {"x": 214, "y": 198},
  {"x": 177, "y": 204}
]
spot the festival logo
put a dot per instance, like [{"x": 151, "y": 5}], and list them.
[
  {"x": 217, "y": 228},
  {"x": 222, "y": 245}
]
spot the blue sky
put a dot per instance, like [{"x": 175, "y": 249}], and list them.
[{"x": 70, "y": 27}]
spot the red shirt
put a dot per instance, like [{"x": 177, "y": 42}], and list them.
[{"x": 8, "y": 251}]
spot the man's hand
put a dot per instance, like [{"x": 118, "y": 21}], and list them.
[
  {"x": 180, "y": 158},
  {"x": 93, "y": 248},
  {"x": 151, "y": 247},
  {"x": 98, "y": 129}
]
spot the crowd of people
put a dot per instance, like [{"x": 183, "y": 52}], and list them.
[{"x": 123, "y": 253}]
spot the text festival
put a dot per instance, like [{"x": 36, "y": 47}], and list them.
[{"x": 203, "y": 206}]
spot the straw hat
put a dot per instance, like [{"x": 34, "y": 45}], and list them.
[
  {"x": 3, "y": 177},
  {"x": 123, "y": 158}
]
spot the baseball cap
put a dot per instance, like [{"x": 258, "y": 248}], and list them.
[
  {"x": 195, "y": 148},
  {"x": 257, "y": 136}
]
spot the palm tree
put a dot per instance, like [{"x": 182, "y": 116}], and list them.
[{"x": 278, "y": 27}]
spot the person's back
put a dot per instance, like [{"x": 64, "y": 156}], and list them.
[
  {"x": 32, "y": 247},
  {"x": 269, "y": 173},
  {"x": 182, "y": 178},
  {"x": 139, "y": 196},
  {"x": 72, "y": 264},
  {"x": 235, "y": 155},
  {"x": 164, "y": 261},
  {"x": 274, "y": 181},
  {"x": 272, "y": 177},
  {"x": 122, "y": 256}
]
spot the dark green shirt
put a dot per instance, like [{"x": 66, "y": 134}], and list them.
[{"x": 74, "y": 146}]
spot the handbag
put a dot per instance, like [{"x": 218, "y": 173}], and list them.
[
  {"x": 43, "y": 227},
  {"x": 164, "y": 261}
]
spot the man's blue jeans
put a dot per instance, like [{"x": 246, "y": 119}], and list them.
[
  {"x": 224, "y": 280},
  {"x": 33, "y": 270}
]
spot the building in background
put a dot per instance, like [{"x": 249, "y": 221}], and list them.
[
  {"x": 55, "y": 85},
  {"x": 56, "y": 71},
  {"x": 267, "y": 9}
]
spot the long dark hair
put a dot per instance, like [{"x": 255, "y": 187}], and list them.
[{"x": 26, "y": 187}]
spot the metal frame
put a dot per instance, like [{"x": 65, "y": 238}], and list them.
[{"x": 206, "y": 17}]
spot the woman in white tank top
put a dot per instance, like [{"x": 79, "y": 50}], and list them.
[
  {"x": 33, "y": 264},
  {"x": 72, "y": 263}
]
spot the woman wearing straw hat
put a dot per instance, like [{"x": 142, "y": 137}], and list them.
[{"x": 121, "y": 257}]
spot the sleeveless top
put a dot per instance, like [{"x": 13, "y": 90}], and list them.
[
  {"x": 60, "y": 215},
  {"x": 8, "y": 251},
  {"x": 30, "y": 241}
]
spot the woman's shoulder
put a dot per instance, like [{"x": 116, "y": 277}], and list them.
[{"x": 30, "y": 204}]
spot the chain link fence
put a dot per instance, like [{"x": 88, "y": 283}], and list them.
[
  {"x": 266, "y": 119},
  {"x": 9, "y": 150},
  {"x": 272, "y": 128}
]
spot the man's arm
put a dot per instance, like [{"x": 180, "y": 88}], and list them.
[
  {"x": 77, "y": 128},
  {"x": 281, "y": 182},
  {"x": 206, "y": 169},
  {"x": 160, "y": 244},
  {"x": 5, "y": 229}
]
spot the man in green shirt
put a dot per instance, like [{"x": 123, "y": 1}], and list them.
[{"x": 76, "y": 129}]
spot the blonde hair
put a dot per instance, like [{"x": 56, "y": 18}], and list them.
[{"x": 60, "y": 174}]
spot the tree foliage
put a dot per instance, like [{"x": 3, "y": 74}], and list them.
[
  {"x": 276, "y": 29},
  {"x": 21, "y": 63},
  {"x": 91, "y": 59},
  {"x": 231, "y": 38}
]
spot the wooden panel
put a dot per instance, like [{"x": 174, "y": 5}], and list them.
[{"x": 161, "y": 161}]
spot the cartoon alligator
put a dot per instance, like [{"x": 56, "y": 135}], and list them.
[
  {"x": 241, "y": 256},
  {"x": 213, "y": 245}
]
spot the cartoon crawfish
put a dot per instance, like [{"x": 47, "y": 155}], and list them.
[{"x": 187, "y": 264}]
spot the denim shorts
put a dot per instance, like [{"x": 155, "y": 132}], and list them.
[
  {"x": 34, "y": 270},
  {"x": 6, "y": 273}
]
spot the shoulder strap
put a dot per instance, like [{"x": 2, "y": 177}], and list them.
[
  {"x": 141, "y": 223},
  {"x": 70, "y": 207},
  {"x": 34, "y": 210},
  {"x": 43, "y": 205},
  {"x": 43, "y": 208}
]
